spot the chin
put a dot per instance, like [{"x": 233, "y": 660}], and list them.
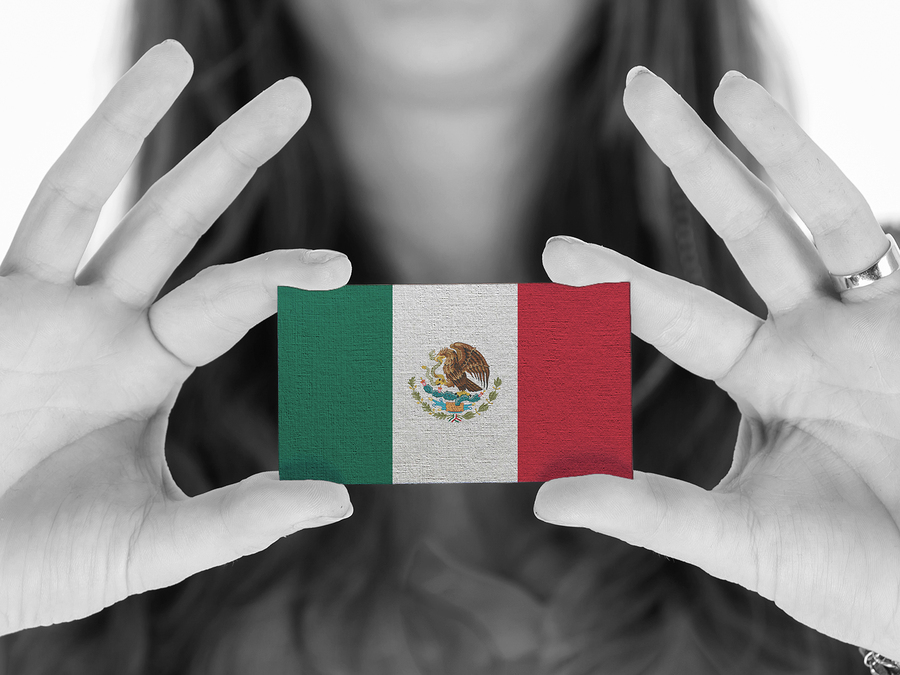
[
  {"x": 431, "y": 43},
  {"x": 446, "y": 53}
]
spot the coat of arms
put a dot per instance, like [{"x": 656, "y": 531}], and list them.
[{"x": 454, "y": 386}]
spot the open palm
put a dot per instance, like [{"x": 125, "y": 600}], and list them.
[
  {"x": 809, "y": 514},
  {"x": 90, "y": 366}
]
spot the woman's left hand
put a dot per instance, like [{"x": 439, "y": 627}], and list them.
[{"x": 809, "y": 514}]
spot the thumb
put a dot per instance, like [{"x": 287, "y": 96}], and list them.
[
  {"x": 217, "y": 527},
  {"x": 674, "y": 518}
]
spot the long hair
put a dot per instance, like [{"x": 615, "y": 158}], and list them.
[{"x": 317, "y": 602}]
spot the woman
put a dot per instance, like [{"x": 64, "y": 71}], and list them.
[{"x": 444, "y": 578}]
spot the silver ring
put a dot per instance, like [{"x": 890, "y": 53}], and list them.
[{"x": 886, "y": 264}]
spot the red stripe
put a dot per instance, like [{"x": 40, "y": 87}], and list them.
[{"x": 574, "y": 381}]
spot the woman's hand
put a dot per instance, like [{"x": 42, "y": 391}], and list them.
[
  {"x": 90, "y": 367},
  {"x": 809, "y": 514}
]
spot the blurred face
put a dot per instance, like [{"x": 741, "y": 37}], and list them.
[{"x": 441, "y": 48}]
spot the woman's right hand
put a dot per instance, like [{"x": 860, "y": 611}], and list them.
[{"x": 90, "y": 366}]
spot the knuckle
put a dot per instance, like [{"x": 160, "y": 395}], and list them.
[
  {"x": 180, "y": 220},
  {"x": 245, "y": 159},
  {"x": 677, "y": 326},
  {"x": 126, "y": 122},
  {"x": 238, "y": 525},
  {"x": 840, "y": 217},
  {"x": 213, "y": 313},
  {"x": 688, "y": 155},
  {"x": 76, "y": 194},
  {"x": 269, "y": 282},
  {"x": 127, "y": 290},
  {"x": 779, "y": 152},
  {"x": 746, "y": 220}
]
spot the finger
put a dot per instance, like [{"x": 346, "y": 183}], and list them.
[
  {"x": 669, "y": 516},
  {"x": 60, "y": 218},
  {"x": 164, "y": 225},
  {"x": 847, "y": 235},
  {"x": 188, "y": 536},
  {"x": 204, "y": 317},
  {"x": 774, "y": 254},
  {"x": 699, "y": 330}
]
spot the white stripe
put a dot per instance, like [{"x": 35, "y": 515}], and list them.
[{"x": 481, "y": 449}]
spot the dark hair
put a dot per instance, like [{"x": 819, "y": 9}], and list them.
[{"x": 318, "y": 595}]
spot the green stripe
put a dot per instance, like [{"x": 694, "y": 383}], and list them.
[{"x": 334, "y": 354}]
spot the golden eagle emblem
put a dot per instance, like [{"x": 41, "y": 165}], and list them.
[
  {"x": 458, "y": 362},
  {"x": 463, "y": 368}
]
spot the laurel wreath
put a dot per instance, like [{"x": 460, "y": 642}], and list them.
[{"x": 439, "y": 414}]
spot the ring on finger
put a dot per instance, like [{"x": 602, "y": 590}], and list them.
[{"x": 885, "y": 265}]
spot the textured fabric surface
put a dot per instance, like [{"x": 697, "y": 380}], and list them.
[
  {"x": 334, "y": 383},
  {"x": 454, "y": 383},
  {"x": 575, "y": 381},
  {"x": 467, "y": 446}
]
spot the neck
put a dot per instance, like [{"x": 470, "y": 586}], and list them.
[{"x": 444, "y": 189}]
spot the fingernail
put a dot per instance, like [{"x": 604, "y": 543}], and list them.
[
  {"x": 565, "y": 238},
  {"x": 324, "y": 519},
  {"x": 553, "y": 518},
  {"x": 559, "y": 501},
  {"x": 320, "y": 255},
  {"x": 343, "y": 511},
  {"x": 732, "y": 73},
  {"x": 634, "y": 72}
]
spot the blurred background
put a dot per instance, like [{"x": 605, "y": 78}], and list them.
[{"x": 58, "y": 59}]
